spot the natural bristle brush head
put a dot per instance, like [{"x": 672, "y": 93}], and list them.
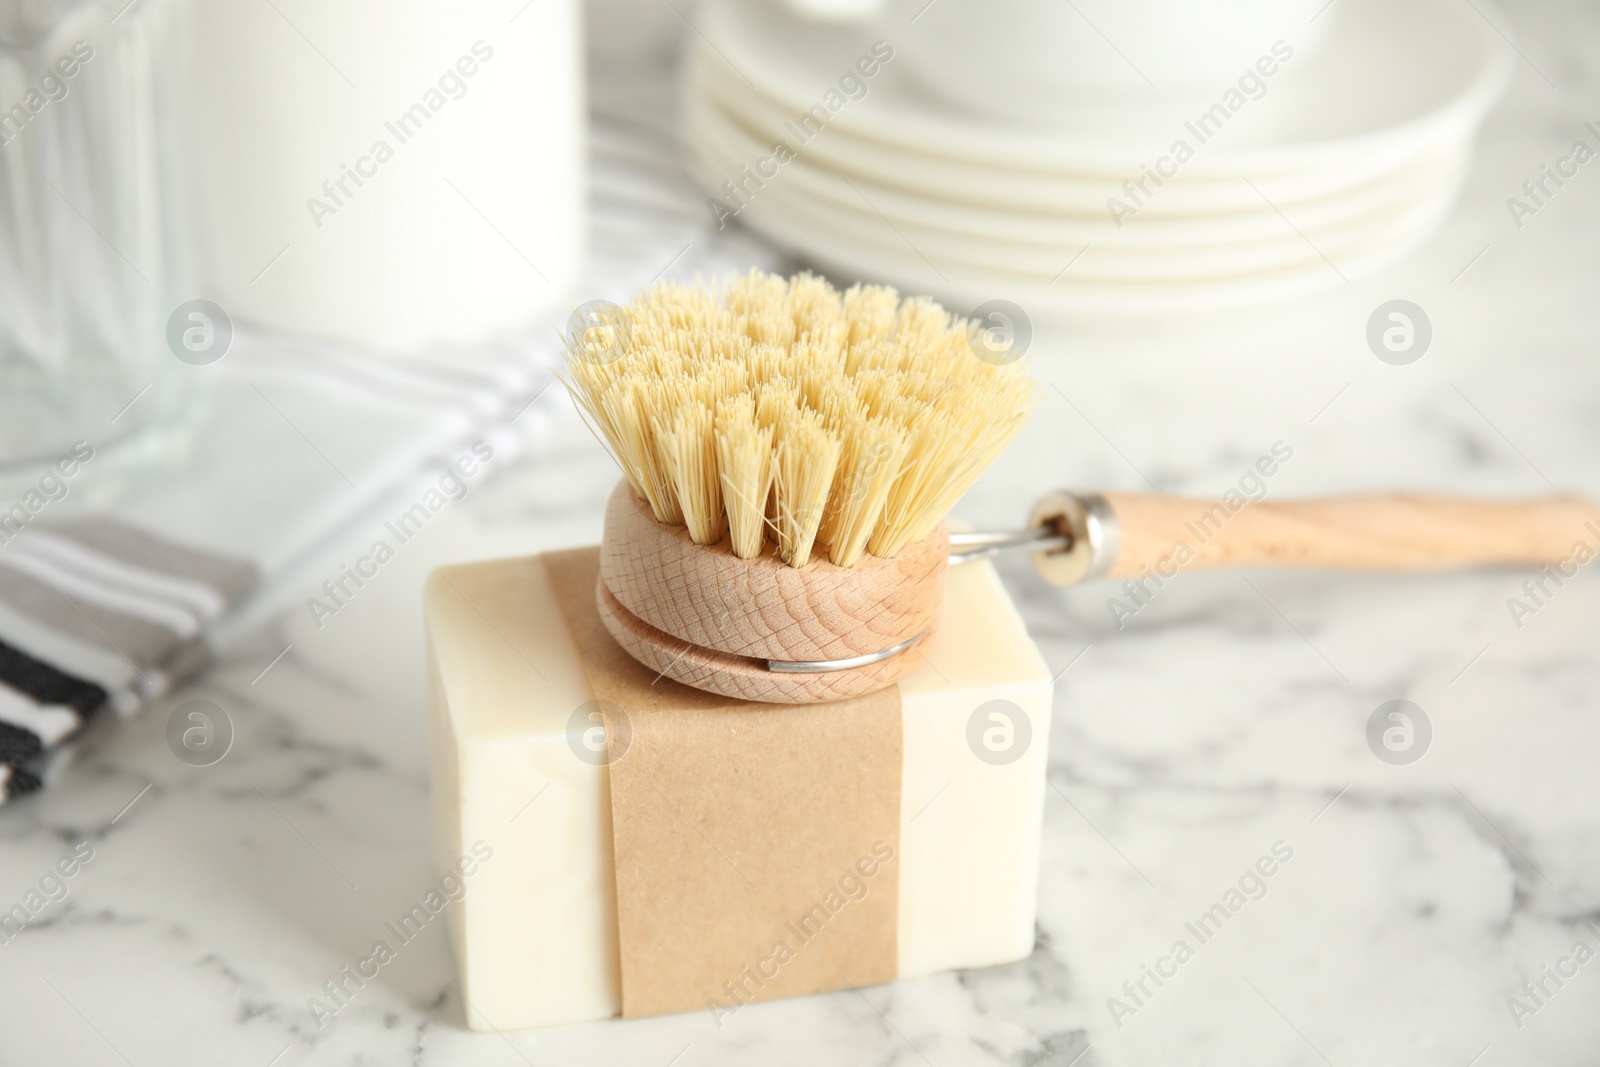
[{"x": 784, "y": 425}]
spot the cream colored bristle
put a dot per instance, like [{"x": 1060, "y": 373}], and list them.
[
  {"x": 870, "y": 457},
  {"x": 803, "y": 463},
  {"x": 690, "y": 453},
  {"x": 744, "y": 462},
  {"x": 627, "y": 409},
  {"x": 780, "y": 411},
  {"x": 870, "y": 310},
  {"x": 774, "y": 399}
]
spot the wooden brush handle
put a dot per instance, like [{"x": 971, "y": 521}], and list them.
[{"x": 1363, "y": 533}]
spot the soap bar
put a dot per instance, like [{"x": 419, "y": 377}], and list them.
[{"x": 516, "y": 772}]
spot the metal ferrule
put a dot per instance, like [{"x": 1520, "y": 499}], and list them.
[
  {"x": 1074, "y": 537},
  {"x": 1090, "y": 525}
]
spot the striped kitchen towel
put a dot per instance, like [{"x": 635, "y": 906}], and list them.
[
  {"x": 102, "y": 612},
  {"x": 109, "y": 616}
]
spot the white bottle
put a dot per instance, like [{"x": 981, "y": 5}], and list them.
[{"x": 399, "y": 174}]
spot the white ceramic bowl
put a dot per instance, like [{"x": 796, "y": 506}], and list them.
[
  {"x": 1391, "y": 75},
  {"x": 1132, "y": 61},
  {"x": 983, "y": 183}
]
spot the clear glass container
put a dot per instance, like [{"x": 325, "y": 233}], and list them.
[{"x": 84, "y": 281}]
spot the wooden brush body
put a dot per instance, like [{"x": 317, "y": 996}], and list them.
[{"x": 704, "y": 617}]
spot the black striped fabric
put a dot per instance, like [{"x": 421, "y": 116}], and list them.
[
  {"x": 22, "y": 749},
  {"x": 21, "y": 783},
  {"x": 19, "y": 747},
  {"x": 48, "y": 685}
]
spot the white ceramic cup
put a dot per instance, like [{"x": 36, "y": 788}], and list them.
[
  {"x": 1083, "y": 61},
  {"x": 417, "y": 187}
]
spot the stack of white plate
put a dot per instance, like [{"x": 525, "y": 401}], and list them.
[{"x": 1348, "y": 159}]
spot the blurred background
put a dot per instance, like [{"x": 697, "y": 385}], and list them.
[{"x": 268, "y": 267}]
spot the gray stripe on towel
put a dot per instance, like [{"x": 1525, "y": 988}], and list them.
[{"x": 144, "y": 642}]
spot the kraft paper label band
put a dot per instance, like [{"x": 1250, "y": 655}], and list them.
[{"x": 757, "y": 845}]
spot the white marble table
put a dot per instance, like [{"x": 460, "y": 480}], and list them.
[{"x": 1227, "y": 716}]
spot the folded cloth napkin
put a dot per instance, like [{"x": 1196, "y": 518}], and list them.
[
  {"x": 76, "y": 589},
  {"x": 102, "y": 612}
]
